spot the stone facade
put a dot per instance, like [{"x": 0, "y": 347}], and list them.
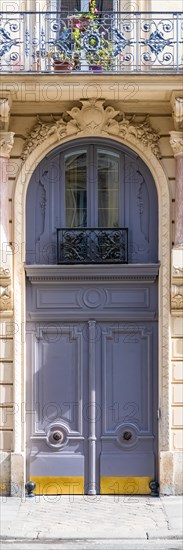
[{"x": 37, "y": 114}]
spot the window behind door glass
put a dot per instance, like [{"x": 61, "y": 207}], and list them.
[{"x": 76, "y": 189}]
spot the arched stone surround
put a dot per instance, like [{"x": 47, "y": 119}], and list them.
[{"x": 145, "y": 151}]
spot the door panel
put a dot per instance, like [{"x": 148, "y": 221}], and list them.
[
  {"x": 57, "y": 432},
  {"x": 94, "y": 429},
  {"x": 127, "y": 441}
]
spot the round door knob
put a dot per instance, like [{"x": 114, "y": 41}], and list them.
[
  {"x": 57, "y": 436},
  {"x": 127, "y": 436}
]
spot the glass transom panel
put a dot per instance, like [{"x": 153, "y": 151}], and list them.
[{"x": 92, "y": 188}]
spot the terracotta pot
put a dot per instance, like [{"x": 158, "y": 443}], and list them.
[
  {"x": 83, "y": 22},
  {"x": 62, "y": 66}
]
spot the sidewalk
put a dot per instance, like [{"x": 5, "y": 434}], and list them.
[{"x": 99, "y": 522}]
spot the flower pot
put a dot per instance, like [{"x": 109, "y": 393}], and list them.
[
  {"x": 81, "y": 23},
  {"x": 97, "y": 68},
  {"x": 62, "y": 65}
]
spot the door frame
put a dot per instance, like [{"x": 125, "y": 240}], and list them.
[
  {"x": 31, "y": 161},
  {"x": 45, "y": 277}
]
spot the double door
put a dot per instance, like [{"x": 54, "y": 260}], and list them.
[{"x": 92, "y": 390}]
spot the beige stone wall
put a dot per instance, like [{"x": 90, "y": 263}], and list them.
[
  {"x": 6, "y": 404},
  {"x": 177, "y": 366},
  {"x": 6, "y": 387}
]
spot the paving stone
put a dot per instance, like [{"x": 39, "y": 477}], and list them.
[{"x": 94, "y": 518}]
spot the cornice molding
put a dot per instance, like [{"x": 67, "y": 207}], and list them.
[
  {"x": 54, "y": 274},
  {"x": 91, "y": 119}
]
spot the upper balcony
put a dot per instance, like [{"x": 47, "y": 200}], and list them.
[{"x": 100, "y": 42}]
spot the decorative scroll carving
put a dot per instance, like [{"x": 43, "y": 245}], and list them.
[
  {"x": 5, "y": 290},
  {"x": 40, "y": 132},
  {"x": 176, "y": 142},
  {"x": 177, "y": 271},
  {"x": 4, "y": 276},
  {"x": 6, "y": 143},
  {"x": 177, "y": 297},
  {"x": 91, "y": 119}
]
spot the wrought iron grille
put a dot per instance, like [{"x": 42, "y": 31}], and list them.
[
  {"x": 119, "y": 42},
  {"x": 89, "y": 246}
]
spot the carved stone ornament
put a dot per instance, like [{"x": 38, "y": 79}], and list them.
[
  {"x": 5, "y": 290},
  {"x": 176, "y": 142},
  {"x": 93, "y": 119},
  {"x": 177, "y": 271},
  {"x": 178, "y": 113},
  {"x": 4, "y": 114},
  {"x": 6, "y": 143},
  {"x": 177, "y": 297}
]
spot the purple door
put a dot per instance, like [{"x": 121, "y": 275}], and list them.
[
  {"x": 92, "y": 387},
  {"x": 92, "y": 345}
]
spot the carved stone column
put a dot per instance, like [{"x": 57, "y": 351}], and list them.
[
  {"x": 6, "y": 143},
  {"x": 176, "y": 142}
]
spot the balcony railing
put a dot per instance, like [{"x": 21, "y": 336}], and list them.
[
  {"x": 117, "y": 42},
  {"x": 92, "y": 246}
]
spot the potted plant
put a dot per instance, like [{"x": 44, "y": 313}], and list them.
[
  {"x": 82, "y": 20},
  {"x": 102, "y": 59},
  {"x": 96, "y": 47},
  {"x": 62, "y": 61}
]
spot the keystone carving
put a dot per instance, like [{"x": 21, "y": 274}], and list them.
[
  {"x": 92, "y": 118},
  {"x": 6, "y": 143},
  {"x": 5, "y": 290}
]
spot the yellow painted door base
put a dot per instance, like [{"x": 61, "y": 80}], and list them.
[
  {"x": 56, "y": 485},
  {"x": 125, "y": 485}
]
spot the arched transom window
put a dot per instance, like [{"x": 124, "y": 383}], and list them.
[{"x": 92, "y": 185}]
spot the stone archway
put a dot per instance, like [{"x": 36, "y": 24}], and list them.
[{"x": 92, "y": 119}]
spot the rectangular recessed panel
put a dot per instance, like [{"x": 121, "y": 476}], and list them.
[
  {"x": 132, "y": 298},
  {"x": 127, "y": 464},
  {"x": 126, "y": 364},
  {"x": 58, "y": 377},
  {"x": 57, "y": 298},
  {"x": 57, "y": 464},
  {"x": 177, "y": 371}
]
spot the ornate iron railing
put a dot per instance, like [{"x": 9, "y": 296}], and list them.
[
  {"x": 112, "y": 41},
  {"x": 90, "y": 246}
]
